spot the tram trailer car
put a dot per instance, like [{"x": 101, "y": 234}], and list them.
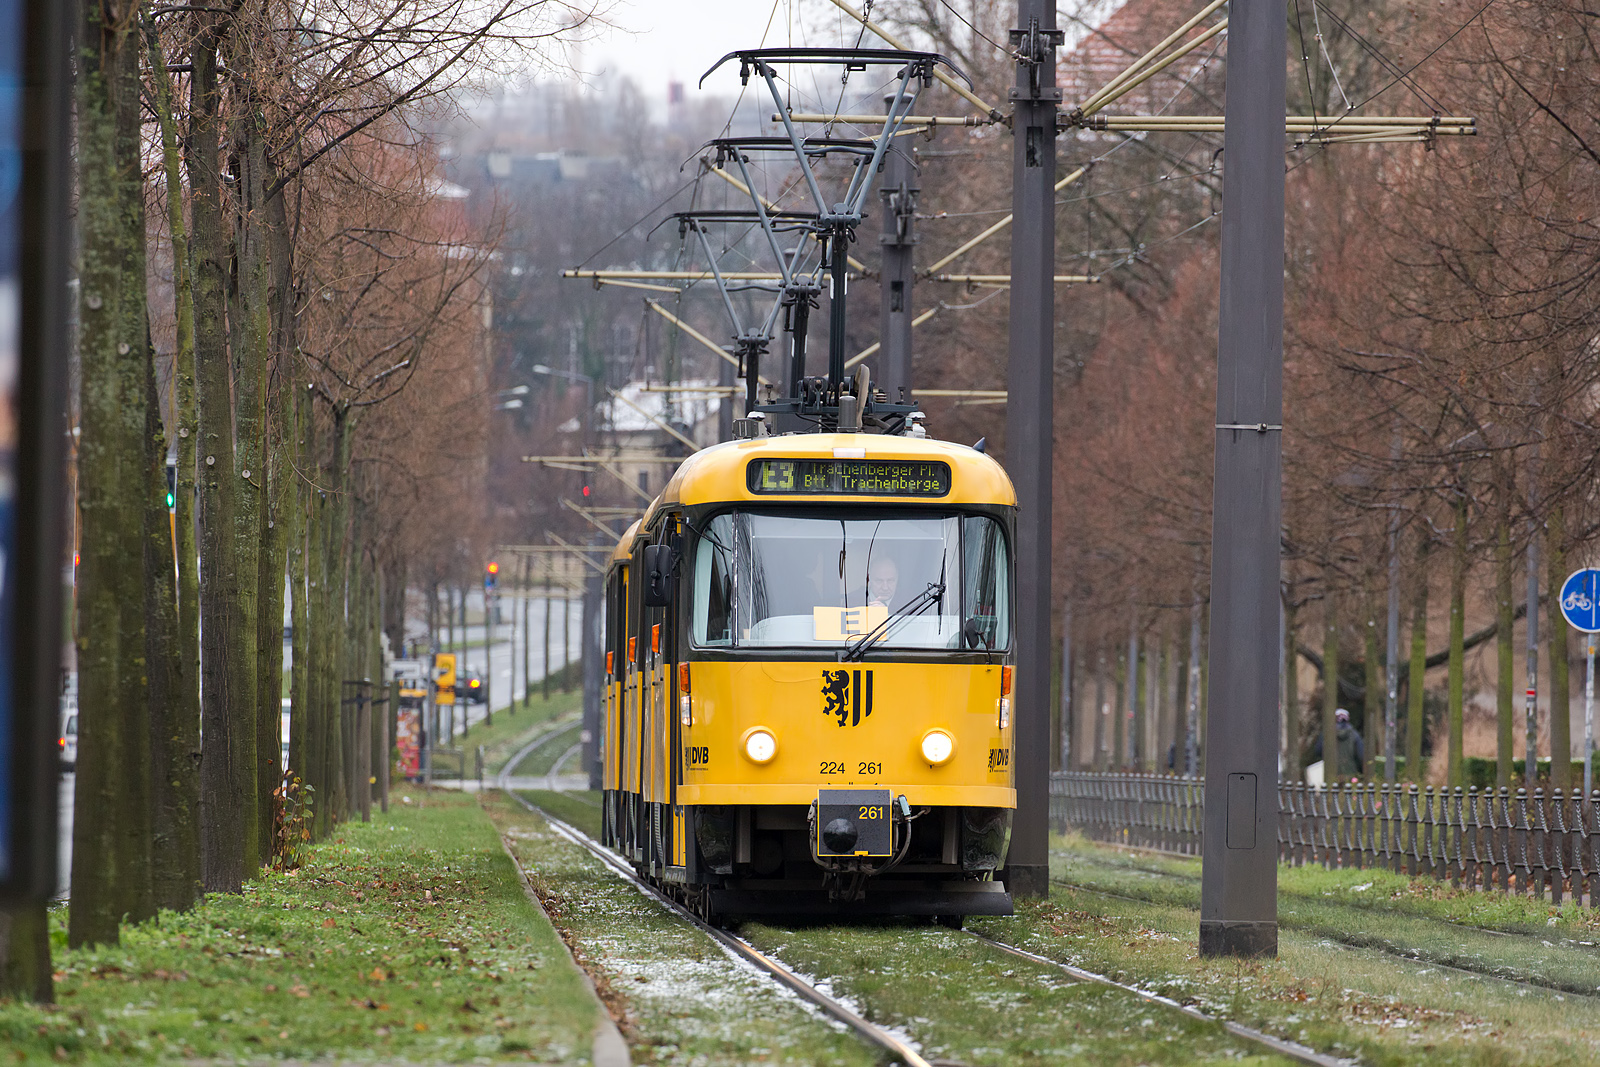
[{"x": 808, "y": 677}]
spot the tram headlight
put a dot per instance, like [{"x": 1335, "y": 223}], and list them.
[
  {"x": 760, "y": 746},
  {"x": 1005, "y": 712},
  {"x": 937, "y": 747}
]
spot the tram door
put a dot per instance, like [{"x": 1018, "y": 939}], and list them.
[
  {"x": 632, "y": 714},
  {"x": 616, "y": 720}
]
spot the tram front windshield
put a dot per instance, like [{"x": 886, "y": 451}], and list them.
[{"x": 765, "y": 580}]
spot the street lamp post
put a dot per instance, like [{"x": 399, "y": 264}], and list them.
[{"x": 588, "y": 392}]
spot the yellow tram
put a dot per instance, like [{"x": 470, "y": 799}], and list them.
[{"x": 808, "y": 671}]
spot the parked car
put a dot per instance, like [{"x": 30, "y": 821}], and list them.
[
  {"x": 67, "y": 744},
  {"x": 469, "y": 686}
]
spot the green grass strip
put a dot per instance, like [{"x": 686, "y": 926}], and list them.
[
  {"x": 408, "y": 939},
  {"x": 1380, "y": 910},
  {"x": 1354, "y": 1001}
]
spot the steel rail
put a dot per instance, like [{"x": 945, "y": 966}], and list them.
[
  {"x": 1291, "y": 1049},
  {"x": 737, "y": 946},
  {"x": 552, "y": 731}
]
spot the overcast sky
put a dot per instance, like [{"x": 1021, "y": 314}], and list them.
[{"x": 659, "y": 41}]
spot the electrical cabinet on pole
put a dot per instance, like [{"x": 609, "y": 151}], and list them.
[
  {"x": 1030, "y": 423},
  {"x": 897, "y": 192},
  {"x": 1239, "y": 872}
]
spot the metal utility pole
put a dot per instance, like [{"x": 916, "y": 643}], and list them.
[
  {"x": 1030, "y": 425},
  {"x": 1239, "y": 873},
  {"x": 898, "y": 194},
  {"x": 593, "y": 676}
]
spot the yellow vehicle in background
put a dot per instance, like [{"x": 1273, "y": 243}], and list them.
[{"x": 808, "y": 669}]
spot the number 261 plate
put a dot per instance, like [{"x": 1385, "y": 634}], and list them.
[{"x": 853, "y": 822}]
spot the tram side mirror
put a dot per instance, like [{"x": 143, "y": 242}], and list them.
[
  {"x": 978, "y": 631},
  {"x": 660, "y": 561}
]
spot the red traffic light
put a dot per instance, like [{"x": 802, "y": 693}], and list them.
[{"x": 586, "y": 490}]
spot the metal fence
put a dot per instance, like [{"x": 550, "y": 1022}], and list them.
[{"x": 1491, "y": 839}]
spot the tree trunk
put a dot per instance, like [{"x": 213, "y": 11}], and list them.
[
  {"x": 276, "y": 293},
  {"x": 1505, "y": 652},
  {"x": 1330, "y": 685},
  {"x": 1555, "y": 553},
  {"x": 25, "y": 970},
  {"x": 176, "y": 874},
  {"x": 227, "y": 766},
  {"x": 301, "y": 722},
  {"x": 111, "y": 828},
  {"x": 1100, "y": 761},
  {"x": 1294, "y": 761},
  {"x": 527, "y": 637},
  {"x": 1372, "y": 703},
  {"x": 1119, "y": 716},
  {"x": 1456, "y": 768},
  {"x": 251, "y": 486},
  {"x": 1416, "y": 686},
  {"x": 174, "y": 741},
  {"x": 330, "y": 629}
]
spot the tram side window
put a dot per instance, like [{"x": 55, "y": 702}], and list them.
[
  {"x": 986, "y": 599},
  {"x": 614, "y": 616},
  {"x": 713, "y": 595}
]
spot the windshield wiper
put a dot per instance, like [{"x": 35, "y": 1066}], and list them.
[{"x": 916, "y": 606}]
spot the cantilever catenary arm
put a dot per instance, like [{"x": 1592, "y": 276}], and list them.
[
  {"x": 1106, "y": 96},
  {"x": 944, "y": 79},
  {"x": 696, "y": 334},
  {"x": 1137, "y": 65},
  {"x": 664, "y": 424},
  {"x": 996, "y": 228},
  {"x": 866, "y": 353}
]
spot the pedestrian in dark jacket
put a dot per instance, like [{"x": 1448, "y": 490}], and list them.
[{"x": 1351, "y": 759}]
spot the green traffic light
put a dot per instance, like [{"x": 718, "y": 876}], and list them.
[{"x": 172, "y": 501}]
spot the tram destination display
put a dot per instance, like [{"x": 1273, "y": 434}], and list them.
[{"x": 849, "y": 477}]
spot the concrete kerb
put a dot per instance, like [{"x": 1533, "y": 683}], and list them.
[{"x": 609, "y": 1048}]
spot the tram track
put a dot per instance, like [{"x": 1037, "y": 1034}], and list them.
[
  {"x": 875, "y": 1034},
  {"x": 560, "y": 728},
  {"x": 1371, "y": 944},
  {"x": 883, "y": 1038},
  {"x": 1291, "y": 1049},
  {"x": 740, "y": 948}
]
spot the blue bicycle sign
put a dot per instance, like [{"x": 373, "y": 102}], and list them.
[{"x": 1580, "y": 600}]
